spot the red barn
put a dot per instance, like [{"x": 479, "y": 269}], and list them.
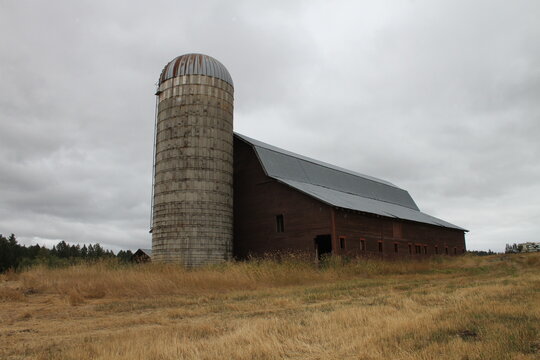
[{"x": 287, "y": 202}]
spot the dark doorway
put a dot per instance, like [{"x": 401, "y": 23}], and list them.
[{"x": 323, "y": 246}]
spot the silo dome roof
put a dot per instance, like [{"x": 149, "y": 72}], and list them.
[{"x": 195, "y": 64}]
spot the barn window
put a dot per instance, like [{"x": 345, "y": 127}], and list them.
[
  {"x": 446, "y": 250},
  {"x": 410, "y": 249},
  {"x": 280, "y": 227},
  {"x": 396, "y": 247},
  {"x": 363, "y": 245},
  {"x": 380, "y": 246},
  {"x": 425, "y": 249},
  {"x": 417, "y": 249},
  {"x": 436, "y": 249},
  {"x": 455, "y": 251},
  {"x": 342, "y": 242}
]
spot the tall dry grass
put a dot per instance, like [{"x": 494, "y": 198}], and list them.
[
  {"x": 447, "y": 308},
  {"x": 109, "y": 278}
]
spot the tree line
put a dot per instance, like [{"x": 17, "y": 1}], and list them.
[{"x": 16, "y": 256}]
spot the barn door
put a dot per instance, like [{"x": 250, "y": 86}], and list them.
[{"x": 323, "y": 246}]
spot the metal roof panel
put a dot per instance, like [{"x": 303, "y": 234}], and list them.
[
  {"x": 263, "y": 145},
  {"x": 280, "y": 164},
  {"x": 359, "y": 203}
]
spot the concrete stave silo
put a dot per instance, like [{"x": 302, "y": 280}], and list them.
[{"x": 192, "y": 220}]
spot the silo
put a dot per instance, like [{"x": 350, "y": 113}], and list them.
[{"x": 192, "y": 209}]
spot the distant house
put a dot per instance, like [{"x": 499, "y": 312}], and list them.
[
  {"x": 142, "y": 256},
  {"x": 523, "y": 247},
  {"x": 531, "y": 247}
]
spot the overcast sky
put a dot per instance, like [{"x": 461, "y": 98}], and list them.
[{"x": 441, "y": 98}]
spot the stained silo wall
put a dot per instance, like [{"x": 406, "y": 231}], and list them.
[{"x": 193, "y": 182}]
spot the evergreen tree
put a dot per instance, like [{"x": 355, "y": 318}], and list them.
[
  {"x": 75, "y": 251},
  {"x": 63, "y": 250},
  {"x": 99, "y": 251},
  {"x": 14, "y": 255},
  {"x": 5, "y": 254},
  {"x": 91, "y": 252},
  {"x": 84, "y": 252},
  {"x": 124, "y": 256}
]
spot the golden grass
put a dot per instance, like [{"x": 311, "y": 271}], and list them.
[{"x": 454, "y": 308}]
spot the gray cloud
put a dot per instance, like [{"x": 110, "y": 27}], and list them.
[{"x": 438, "y": 97}]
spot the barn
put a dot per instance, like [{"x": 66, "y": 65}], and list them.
[
  {"x": 287, "y": 202},
  {"x": 141, "y": 256},
  {"x": 219, "y": 195}
]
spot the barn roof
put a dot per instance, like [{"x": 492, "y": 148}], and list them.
[{"x": 339, "y": 187}]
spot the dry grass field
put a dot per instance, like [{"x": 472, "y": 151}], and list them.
[{"x": 459, "y": 308}]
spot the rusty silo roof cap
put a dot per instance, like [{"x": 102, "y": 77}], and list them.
[{"x": 195, "y": 64}]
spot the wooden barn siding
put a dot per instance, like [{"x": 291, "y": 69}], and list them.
[
  {"x": 356, "y": 226},
  {"x": 257, "y": 201}
]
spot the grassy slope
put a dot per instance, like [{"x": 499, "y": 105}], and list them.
[{"x": 460, "y": 308}]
